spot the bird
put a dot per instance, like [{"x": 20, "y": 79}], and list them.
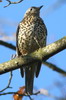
[{"x": 31, "y": 35}]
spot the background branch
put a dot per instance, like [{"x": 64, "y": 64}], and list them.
[
  {"x": 54, "y": 67},
  {"x": 11, "y": 46},
  {"x": 41, "y": 54}
]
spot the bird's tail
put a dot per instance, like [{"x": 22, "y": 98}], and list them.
[
  {"x": 30, "y": 72},
  {"x": 29, "y": 79}
]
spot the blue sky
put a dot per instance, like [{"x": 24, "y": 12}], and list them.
[{"x": 55, "y": 20}]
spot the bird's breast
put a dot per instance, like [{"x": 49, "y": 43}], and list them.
[{"x": 30, "y": 35}]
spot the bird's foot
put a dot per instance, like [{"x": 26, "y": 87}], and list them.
[{"x": 13, "y": 56}]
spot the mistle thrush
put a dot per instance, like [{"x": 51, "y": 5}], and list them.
[{"x": 31, "y": 35}]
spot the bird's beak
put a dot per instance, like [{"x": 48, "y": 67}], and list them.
[{"x": 40, "y": 7}]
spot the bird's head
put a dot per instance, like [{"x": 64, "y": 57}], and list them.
[{"x": 33, "y": 10}]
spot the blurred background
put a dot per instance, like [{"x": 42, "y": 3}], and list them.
[{"x": 54, "y": 15}]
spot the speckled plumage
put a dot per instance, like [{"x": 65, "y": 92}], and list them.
[{"x": 31, "y": 35}]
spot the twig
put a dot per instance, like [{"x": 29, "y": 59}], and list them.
[
  {"x": 27, "y": 95},
  {"x": 55, "y": 68},
  {"x": 36, "y": 93},
  {"x": 32, "y": 94},
  {"x": 10, "y": 2},
  {"x": 49, "y": 95},
  {"x": 30, "y": 97},
  {"x": 6, "y": 93},
  {"x": 11, "y": 46},
  {"x": 9, "y": 82}
]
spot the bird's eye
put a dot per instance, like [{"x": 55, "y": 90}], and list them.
[{"x": 31, "y": 9}]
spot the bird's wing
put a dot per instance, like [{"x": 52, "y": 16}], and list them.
[
  {"x": 17, "y": 48},
  {"x": 18, "y": 52},
  {"x": 41, "y": 30}
]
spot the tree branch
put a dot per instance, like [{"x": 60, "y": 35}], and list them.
[
  {"x": 40, "y": 54},
  {"x": 10, "y": 2},
  {"x": 7, "y": 45}
]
